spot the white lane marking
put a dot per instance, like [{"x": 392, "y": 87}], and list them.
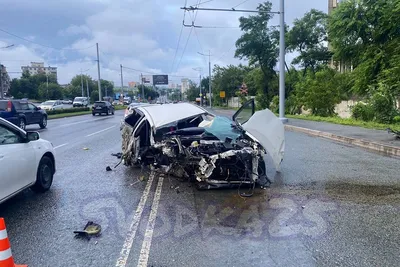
[
  {"x": 60, "y": 145},
  {"x": 100, "y": 131},
  {"x": 145, "y": 251},
  {"x": 126, "y": 248},
  {"x": 73, "y": 123}
]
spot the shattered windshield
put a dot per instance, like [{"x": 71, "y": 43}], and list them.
[{"x": 222, "y": 127}]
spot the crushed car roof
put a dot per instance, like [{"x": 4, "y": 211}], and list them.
[{"x": 160, "y": 115}]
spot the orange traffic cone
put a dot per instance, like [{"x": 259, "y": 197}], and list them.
[{"x": 6, "y": 259}]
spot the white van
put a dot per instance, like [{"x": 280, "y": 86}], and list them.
[{"x": 80, "y": 102}]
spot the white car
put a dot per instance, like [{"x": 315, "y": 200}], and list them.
[
  {"x": 80, "y": 102},
  {"x": 52, "y": 105},
  {"x": 67, "y": 101},
  {"x": 26, "y": 161},
  {"x": 187, "y": 141}
]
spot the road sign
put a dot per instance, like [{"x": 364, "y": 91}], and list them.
[{"x": 222, "y": 94}]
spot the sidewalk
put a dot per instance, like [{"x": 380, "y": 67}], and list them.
[
  {"x": 378, "y": 136},
  {"x": 374, "y": 140}
]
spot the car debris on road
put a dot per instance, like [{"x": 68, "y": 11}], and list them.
[{"x": 187, "y": 141}]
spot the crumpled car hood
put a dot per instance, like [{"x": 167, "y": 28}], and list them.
[
  {"x": 160, "y": 115},
  {"x": 269, "y": 131}
]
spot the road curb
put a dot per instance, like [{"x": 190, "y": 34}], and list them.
[{"x": 372, "y": 146}]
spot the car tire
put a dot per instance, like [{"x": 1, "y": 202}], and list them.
[
  {"x": 43, "y": 122},
  {"x": 94, "y": 114},
  {"x": 44, "y": 176},
  {"x": 22, "y": 123}
]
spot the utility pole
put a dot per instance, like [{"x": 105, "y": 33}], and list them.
[
  {"x": 201, "y": 95},
  {"x": 209, "y": 76},
  {"x": 141, "y": 76},
  {"x": 87, "y": 88},
  {"x": 282, "y": 63},
  {"x": 209, "y": 73},
  {"x": 82, "y": 82},
  {"x": 122, "y": 81},
  {"x": 98, "y": 71}
]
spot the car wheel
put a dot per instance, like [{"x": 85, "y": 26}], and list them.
[
  {"x": 94, "y": 114},
  {"x": 43, "y": 122},
  {"x": 22, "y": 123},
  {"x": 44, "y": 176}
]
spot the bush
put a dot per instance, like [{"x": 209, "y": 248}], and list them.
[
  {"x": 262, "y": 101},
  {"x": 396, "y": 119},
  {"x": 363, "y": 112},
  {"x": 274, "y": 106},
  {"x": 383, "y": 104},
  {"x": 68, "y": 110}
]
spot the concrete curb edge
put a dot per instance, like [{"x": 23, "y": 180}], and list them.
[{"x": 372, "y": 146}]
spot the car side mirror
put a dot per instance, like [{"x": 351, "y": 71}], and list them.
[
  {"x": 38, "y": 108},
  {"x": 32, "y": 136}
]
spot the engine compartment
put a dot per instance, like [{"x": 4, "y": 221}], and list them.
[{"x": 201, "y": 157}]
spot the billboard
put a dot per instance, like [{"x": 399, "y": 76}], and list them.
[
  {"x": 160, "y": 79},
  {"x": 146, "y": 78}
]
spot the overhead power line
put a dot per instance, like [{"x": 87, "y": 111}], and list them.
[
  {"x": 179, "y": 39},
  {"x": 47, "y": 46},
  {"x": 240, "y": 4},
  {"x": 228, "y": 10},
  {"x": 183, "y": 53}
]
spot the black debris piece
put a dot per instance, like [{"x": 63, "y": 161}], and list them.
[
  {"x": 118, "y": 155},
  {"x": 108, "y": 169}
]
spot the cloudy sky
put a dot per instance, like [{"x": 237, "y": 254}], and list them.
[{"x": 139, "y": 34}]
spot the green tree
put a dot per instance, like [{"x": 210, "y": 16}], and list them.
[
  {"x": 259, "y": 44},
  {"x": 228, "y": 79},
  {"x": 319, "y": 92},
  {"x": 53, "y": 91},
  {"x": 364, "y": 34},
  {"x": 308, "y": 37}
]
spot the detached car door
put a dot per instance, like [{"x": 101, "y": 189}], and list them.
[{"x": 17, "y": 162}]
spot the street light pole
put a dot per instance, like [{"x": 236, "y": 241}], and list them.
[
  {"x": 282, "y": 63},
  {"x": 201, "y": 95},
  {"x": 1, "y": 74},
  {"x": 209, "y": 73},
  {"x": 98, "y": 70},
  {"x": 122, "y": 81},
  {"x": 82, "y": 82}
]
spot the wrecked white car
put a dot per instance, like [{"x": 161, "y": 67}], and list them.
[{"x": 187, "y": 141}]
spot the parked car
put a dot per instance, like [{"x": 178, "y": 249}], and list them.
[
  {"x": 26, "y": 161},
  {"x": 22, "y": 113},
  {"x": 102, "y": 107},
  {"x": 52, "y": 105},
  {"x": 80, "y": 102},
  {"x": 187, "y": 141},
  {"x": 127, "y": 100},
  {"x": 67, "y": 101}
]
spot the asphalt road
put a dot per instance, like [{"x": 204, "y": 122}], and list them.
[{"x": 332, "y": 205}]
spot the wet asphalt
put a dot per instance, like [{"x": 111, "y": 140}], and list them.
[{"x": 332, "y": 205}]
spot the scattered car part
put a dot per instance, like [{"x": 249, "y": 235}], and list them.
[{"x": 90, "y": 229}]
